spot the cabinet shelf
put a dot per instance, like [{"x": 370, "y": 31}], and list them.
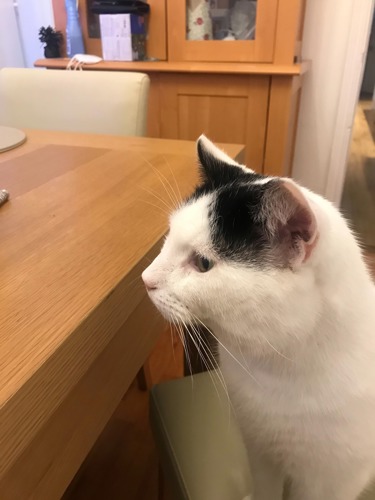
[{"x": 185, "y": 67}]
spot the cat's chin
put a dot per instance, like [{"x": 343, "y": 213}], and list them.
[
  {"x": 162, "y": 309},
  {"x": 169, "y": 313}
]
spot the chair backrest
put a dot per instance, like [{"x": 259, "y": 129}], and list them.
[{"x": 101, "y": 102}]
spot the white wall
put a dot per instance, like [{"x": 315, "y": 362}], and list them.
[
  {"x": 32, "y": 15},
  {"x": 20, "y": 21},
  {"x": 328, "y": 24},
  {"x": 11, "y": 53}
]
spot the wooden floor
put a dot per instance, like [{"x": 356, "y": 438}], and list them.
[
  {"x": 123, "y": 464},
  {"x": 358, "y": 199}
]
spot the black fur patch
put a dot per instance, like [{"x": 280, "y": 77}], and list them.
[
  {"x": 237, "y": 230},
  {"x": 216, "y": 173},
  {"x": 225, "y": 175},
  {"x": 237, "y": 227}
]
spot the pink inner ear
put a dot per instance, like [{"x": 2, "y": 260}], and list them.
[
  {"x": 301, "y": 223},
  {"x": 302, "y": 220}
]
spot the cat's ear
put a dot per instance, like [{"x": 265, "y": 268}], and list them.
[
  {"x": 216, "y": 167},
  {"x": 291, "y": 223}
]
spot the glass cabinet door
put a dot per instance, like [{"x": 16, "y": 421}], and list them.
[
  {"x": 156, "y": 27},
  {"x": 221, "y": 30}
]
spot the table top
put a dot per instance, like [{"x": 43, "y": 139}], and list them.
[{"x": 85, "y": 214}]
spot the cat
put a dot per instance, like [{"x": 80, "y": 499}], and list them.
[{"x": 274, "y": 272}]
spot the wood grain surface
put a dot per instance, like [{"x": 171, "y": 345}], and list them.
[
  {"x": 185, "y": 67},
  {"x": 86, "y": 214},
  {"x": 233, "y": 107}
]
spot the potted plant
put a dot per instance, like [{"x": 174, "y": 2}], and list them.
[{"x": 52, "y": 41}]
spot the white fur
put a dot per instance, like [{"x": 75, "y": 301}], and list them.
[
  {"x": 306, "y": 401},
  {"x": 264, "y": 181}
]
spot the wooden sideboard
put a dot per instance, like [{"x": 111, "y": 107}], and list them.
[{"x": 253, "y": 100}]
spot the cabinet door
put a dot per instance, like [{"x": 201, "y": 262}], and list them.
[
  {"x": 221, "y": 30},
  {"x": 227, "y": 108}
]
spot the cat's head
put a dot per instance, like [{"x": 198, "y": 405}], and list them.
[{"x": 233, "y": 247}]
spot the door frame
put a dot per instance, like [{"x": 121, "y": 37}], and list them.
[{"x": 358, "y": 40}]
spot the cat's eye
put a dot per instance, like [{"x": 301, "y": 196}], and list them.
[{"x": 202, "y": 263}]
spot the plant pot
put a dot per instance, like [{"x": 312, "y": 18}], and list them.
[{"x": 51, "y": 51}]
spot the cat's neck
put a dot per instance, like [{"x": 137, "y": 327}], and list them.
[
  {"x": 319, "y": 364},
  {"x": 337, "y": 333}
]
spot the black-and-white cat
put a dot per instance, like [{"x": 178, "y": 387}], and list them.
[{"x": 274, "y": 271}]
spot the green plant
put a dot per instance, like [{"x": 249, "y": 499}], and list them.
[{"x": 49, "y": 37}]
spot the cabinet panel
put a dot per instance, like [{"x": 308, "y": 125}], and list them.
[
  {"x": 227, "y": 109},
  {"x": 212, "y": 109},
  {"x": 282, "y": 123}
]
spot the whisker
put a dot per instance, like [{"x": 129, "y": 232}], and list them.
[
  {"x": 161, "y": 176},
  {"x": 156, "y": 206},
  {"x": 278, "y": 352},
  {"x": 174, "y": 178},
  {"x": 215, "y": 366},
  {"x": 203, "y": 359},
  {"x": 183, "y": 341},
  {"x": 230, "y": 354},
  {"x": 170, "y": 185},
  {"x": 173, "y": 202},
  {"x": 240, "y": 349},
  {"x": 172, "y": 342},
  {"x": 152, "y": 193}
]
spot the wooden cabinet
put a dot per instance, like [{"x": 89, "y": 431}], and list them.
[{"x": 239, "y": 91}]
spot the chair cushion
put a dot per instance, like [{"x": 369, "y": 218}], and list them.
[{"x": 201, "y": 450}]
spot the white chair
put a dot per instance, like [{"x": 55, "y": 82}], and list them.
[{"x": 102, "y": 102}]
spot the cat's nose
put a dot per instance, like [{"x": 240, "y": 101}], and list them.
[{"x": 149, "y": 284}]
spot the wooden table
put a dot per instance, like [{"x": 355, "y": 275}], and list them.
[{"x": 86, "y": 215}]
